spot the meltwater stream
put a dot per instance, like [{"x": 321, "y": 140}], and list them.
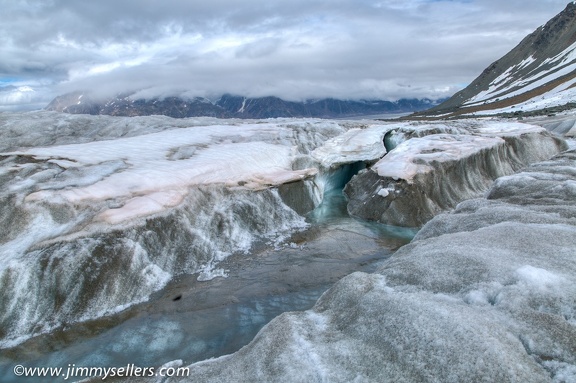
[{"x": 192, "y": 321}]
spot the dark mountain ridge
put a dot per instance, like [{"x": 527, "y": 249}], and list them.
[{"x": 232, "y": 106}]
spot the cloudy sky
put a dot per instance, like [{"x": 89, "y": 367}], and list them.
[{"x": 295, "y": 49}]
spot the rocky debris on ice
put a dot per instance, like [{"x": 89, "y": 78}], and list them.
[{"x": 486, "y": 293}]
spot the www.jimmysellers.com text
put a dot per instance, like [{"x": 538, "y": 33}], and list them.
[{"x": 73, "y": 371}]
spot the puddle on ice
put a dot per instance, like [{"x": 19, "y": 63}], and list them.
[{"x": 193, "y": 321}]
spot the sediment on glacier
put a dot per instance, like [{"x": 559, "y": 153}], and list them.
[
  {"x": 484, "y": 293},
  {"x": 427, "y": 174}
]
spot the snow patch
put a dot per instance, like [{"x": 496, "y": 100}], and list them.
[
  {"x": 413, "y": 156},
  {"x": 353, "y": 146},
  {"x": 383, "y": 192},
  {"x": 539, "y": 278}
]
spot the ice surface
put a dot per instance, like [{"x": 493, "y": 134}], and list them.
[
  {"x": 436, "y": 167},
  {"x": 149, "y": 204},
  {"x": 353, "y": 146},
  {"x": 412, "y": 157},
  {"x": 149, "y": 169},
  {"x": 102, "y": 211},
  {"x": 486, "y": 293}
]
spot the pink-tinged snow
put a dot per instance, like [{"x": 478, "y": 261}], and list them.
[
  {"x": 413, "y": 156},
  {"x": 508, "y": 129},
  {"x": 161, "y": 167},
  {"x": 137, "y": 206}
]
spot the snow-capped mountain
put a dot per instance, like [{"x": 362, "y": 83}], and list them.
[
  {"x": 231, "y": 106},
  {"x": 538, "y": 75}
]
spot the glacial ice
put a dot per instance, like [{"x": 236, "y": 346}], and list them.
[
  {"x": 101, "y": 212},
  {"x": 353, "y": 146},
  {"x": 432, "y": 173},
  {"x": 412, "y": 156},
  {"x": 486, "y": 293}
]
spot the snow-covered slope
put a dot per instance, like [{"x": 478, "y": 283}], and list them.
[{"x": 538, "y": 74}]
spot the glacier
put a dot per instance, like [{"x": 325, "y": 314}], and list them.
[
  {"x": 102, "y": 214},
  {"x": 95, "y": 226},
  {"x": 483, "y": 293},
  {"x": 433, "y": 168}
]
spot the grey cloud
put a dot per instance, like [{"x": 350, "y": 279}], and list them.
[
  {"x": 299, "y": 49},
  {"x": 260, "y": 48}
]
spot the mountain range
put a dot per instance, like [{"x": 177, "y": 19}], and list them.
[
  {"x": 538, "y": 76},
  {"x": 232, "y": 106}
]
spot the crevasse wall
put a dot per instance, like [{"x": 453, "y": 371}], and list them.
[
  {"x": 87, "y": 276},
  {"x": 424, "y": 176},
  {"x": 485, "y": 293}
]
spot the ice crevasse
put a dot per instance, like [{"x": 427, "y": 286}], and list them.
[{"x": 484, "y": 293}]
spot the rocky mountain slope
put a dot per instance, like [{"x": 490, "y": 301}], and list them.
[
  {"x": 537, "y": 75},
  {"x": 230, "y": 106}
]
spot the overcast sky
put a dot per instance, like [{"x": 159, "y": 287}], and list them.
[{"x": 295, "y": 49}]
